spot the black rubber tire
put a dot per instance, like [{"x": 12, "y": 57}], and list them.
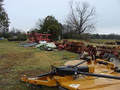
[
  {"x": 113, "y": 59},
  {"x": 106, "y": 55},
  {"x": 62, "y": 88},
  {"x": 111, "y": 56}
]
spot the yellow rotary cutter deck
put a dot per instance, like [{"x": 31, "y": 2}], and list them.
[{"x": 85, "y": 75}]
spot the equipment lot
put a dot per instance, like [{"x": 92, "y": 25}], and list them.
[{"x": 16, "y": 61}]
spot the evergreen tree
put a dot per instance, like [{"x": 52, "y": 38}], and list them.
[
  {"x": 4, "y": 20},
  {"x": 52, "y": 26}
]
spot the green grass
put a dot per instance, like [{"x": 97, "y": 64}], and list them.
[
  {"x": 103, "y": 40},
  {"x": 16, "y": 61}
]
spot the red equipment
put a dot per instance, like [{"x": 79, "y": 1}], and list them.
[{"x": 35, "y": 37}]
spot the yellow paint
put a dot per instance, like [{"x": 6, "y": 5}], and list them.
[{"x": 81, "y": 82}]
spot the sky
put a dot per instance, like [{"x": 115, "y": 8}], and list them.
[{"x": 24, "y": 14}]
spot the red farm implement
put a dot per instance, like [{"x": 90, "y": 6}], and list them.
[{"x": 35, "y": 37}]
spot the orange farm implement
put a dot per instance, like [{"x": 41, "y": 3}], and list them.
[{"x": 86, "y": 74}]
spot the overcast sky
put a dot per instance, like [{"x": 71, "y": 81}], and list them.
[{"x": 24, "y": 14}]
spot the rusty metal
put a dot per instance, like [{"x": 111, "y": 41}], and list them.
[
  {"x": 112, "y": 43},
  {"x": 35, "y": 37},
  {"x": 90, "y": 50},
  {"x": 107, "y": 49},
  {"x": 77, "y": 47},
  {"x": 118, "y": 42}
]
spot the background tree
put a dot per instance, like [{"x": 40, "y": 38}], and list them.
[
  {"x": 4, "y": 20},
  {"x": 17, "y": 33},
  {"x": 38, "y": 26},
  {"x": 105, "y": 36},
  {"x": 49, "y": 25},
  {"x": 81, "y": 17},
  {"x": 67, "y": 32}
]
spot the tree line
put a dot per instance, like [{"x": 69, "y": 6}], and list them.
[
  {"x": 80, "y": 20},
  {"x": 103, "y": 36}
]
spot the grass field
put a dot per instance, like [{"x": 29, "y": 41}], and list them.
[{"x": 16, "y": 61}]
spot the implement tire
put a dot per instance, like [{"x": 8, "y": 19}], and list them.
[
  {"x": 106, "y": 55},
  {"x": 113, "y": 59},
  {"x": 62, "y": 88}
]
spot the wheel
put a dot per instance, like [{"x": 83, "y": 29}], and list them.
[
  {"x": 113, "y": 59},
  {"x": 62, "y": 88},
  {"x": 106, "y": 55}
]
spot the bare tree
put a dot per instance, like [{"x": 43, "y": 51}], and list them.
[
  {"x": 81, "y": 17},
  {"x": 39, "y": 23}
]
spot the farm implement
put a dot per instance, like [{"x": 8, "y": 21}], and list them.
[
  {"x": 85, "y": 74},
  {"x": 108, "y": 53},
  {"x": 35, "y": 38}
]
